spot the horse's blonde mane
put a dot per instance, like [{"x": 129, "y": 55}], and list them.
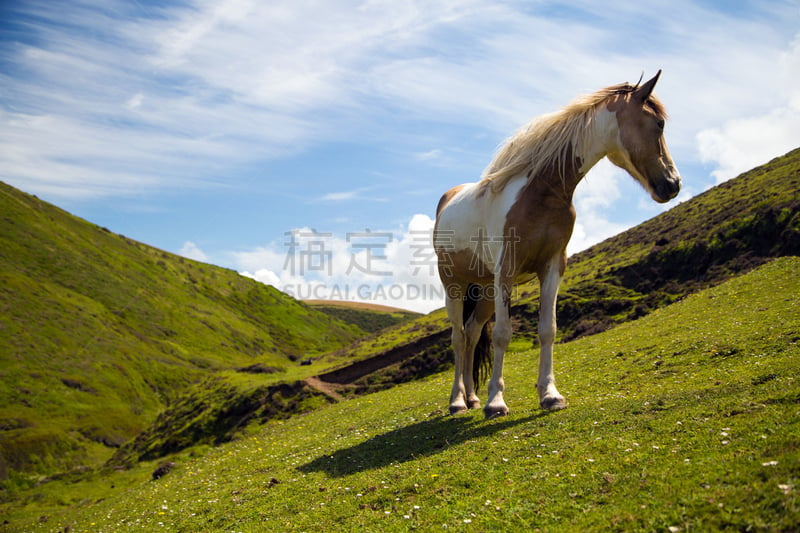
[{"x": 552, "y": 139}]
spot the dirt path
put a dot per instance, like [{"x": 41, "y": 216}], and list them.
[{"x": 327, "y": 389}]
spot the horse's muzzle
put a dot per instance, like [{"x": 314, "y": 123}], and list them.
[{"x": 667, "y": 188}]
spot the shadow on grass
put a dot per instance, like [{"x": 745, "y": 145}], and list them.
[{"x": 421, "y": 439}]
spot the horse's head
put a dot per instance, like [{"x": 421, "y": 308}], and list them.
[{"x": 641, "y": 149}]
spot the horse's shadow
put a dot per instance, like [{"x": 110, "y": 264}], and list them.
[{"x": 421, "y": 439}]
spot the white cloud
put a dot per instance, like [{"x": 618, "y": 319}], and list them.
[
  {"x": 394, "y": 268},
  {"x": 265, "y": 276},
  {"x": 742, "y": 143},
  {"x": 341, "y": 195},
  {"x": 739, "y": 145},
  {"x": 192, "y": 251},
  {"x": 596, "y": 194},
  {"x": 430, "y": 155},
  {"x": 135, "y": 101}
]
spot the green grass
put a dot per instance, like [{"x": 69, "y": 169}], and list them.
[{"x": 687, "y": 419}]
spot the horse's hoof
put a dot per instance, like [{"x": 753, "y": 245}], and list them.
[
  {"x": 494, "y": 412},
  {"x": 554, "y": 403},
  {"x": 458, "y": 410},
  {"x": 474, "y": 404}
]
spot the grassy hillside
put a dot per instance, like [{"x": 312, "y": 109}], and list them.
[
  {"x": 99, "y": 332},
  {"x": 687, "y": 419},
  {"x": 370, "y": 318}
]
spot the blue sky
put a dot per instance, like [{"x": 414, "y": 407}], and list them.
[{"x": 215, "y": 129}]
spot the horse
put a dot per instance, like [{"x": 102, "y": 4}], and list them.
[{"x": 515, "y": 222}]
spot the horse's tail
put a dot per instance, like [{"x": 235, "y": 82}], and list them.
[{"x": 482, "y": 359}]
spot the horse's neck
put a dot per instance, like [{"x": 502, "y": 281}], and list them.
[
  {"x": 594, "y": 146},
  {"x": 599, "y": 141}
]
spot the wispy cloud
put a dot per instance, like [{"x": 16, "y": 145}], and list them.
[
  {"x": 341, "y": 196},
  {"x": 110, "y": 98},
  {"x": 430, "y": 155}
]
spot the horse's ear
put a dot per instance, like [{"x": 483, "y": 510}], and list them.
[{"x": 642, "y": 93}]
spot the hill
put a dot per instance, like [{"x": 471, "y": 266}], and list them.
[
  {"x": 99, "y": 332},
  {"x": 369, "y": 317},
  {"x": 684, "y": 420}
]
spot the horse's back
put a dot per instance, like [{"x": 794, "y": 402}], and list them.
[
  {"x": 472, "y": 218},
  {"x": 473, "y": 207}
]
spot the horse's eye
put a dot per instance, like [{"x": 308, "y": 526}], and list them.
[{"x": 660, "y": 124}]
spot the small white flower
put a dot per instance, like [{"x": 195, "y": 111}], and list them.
[{"x": 770, "y": 463}]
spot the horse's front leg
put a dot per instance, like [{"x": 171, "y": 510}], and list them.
[
  {"x": 549, "y": 397},
  {"x": 501, "y": 337}
]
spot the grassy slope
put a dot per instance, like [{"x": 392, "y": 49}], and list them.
[
  {"x": 725, "y": 231},
  {"x": 369, "y": 317},
  {"x": 98, "y": 332},
  {"x": 687, "y": 419}
]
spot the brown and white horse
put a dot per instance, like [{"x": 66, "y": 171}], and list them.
[{"x": 515, "y": 224}]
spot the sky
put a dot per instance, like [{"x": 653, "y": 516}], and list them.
[{"x": 306, "y": 144}]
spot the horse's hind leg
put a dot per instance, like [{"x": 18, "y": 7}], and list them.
[{"x": 473, "y": 327}]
